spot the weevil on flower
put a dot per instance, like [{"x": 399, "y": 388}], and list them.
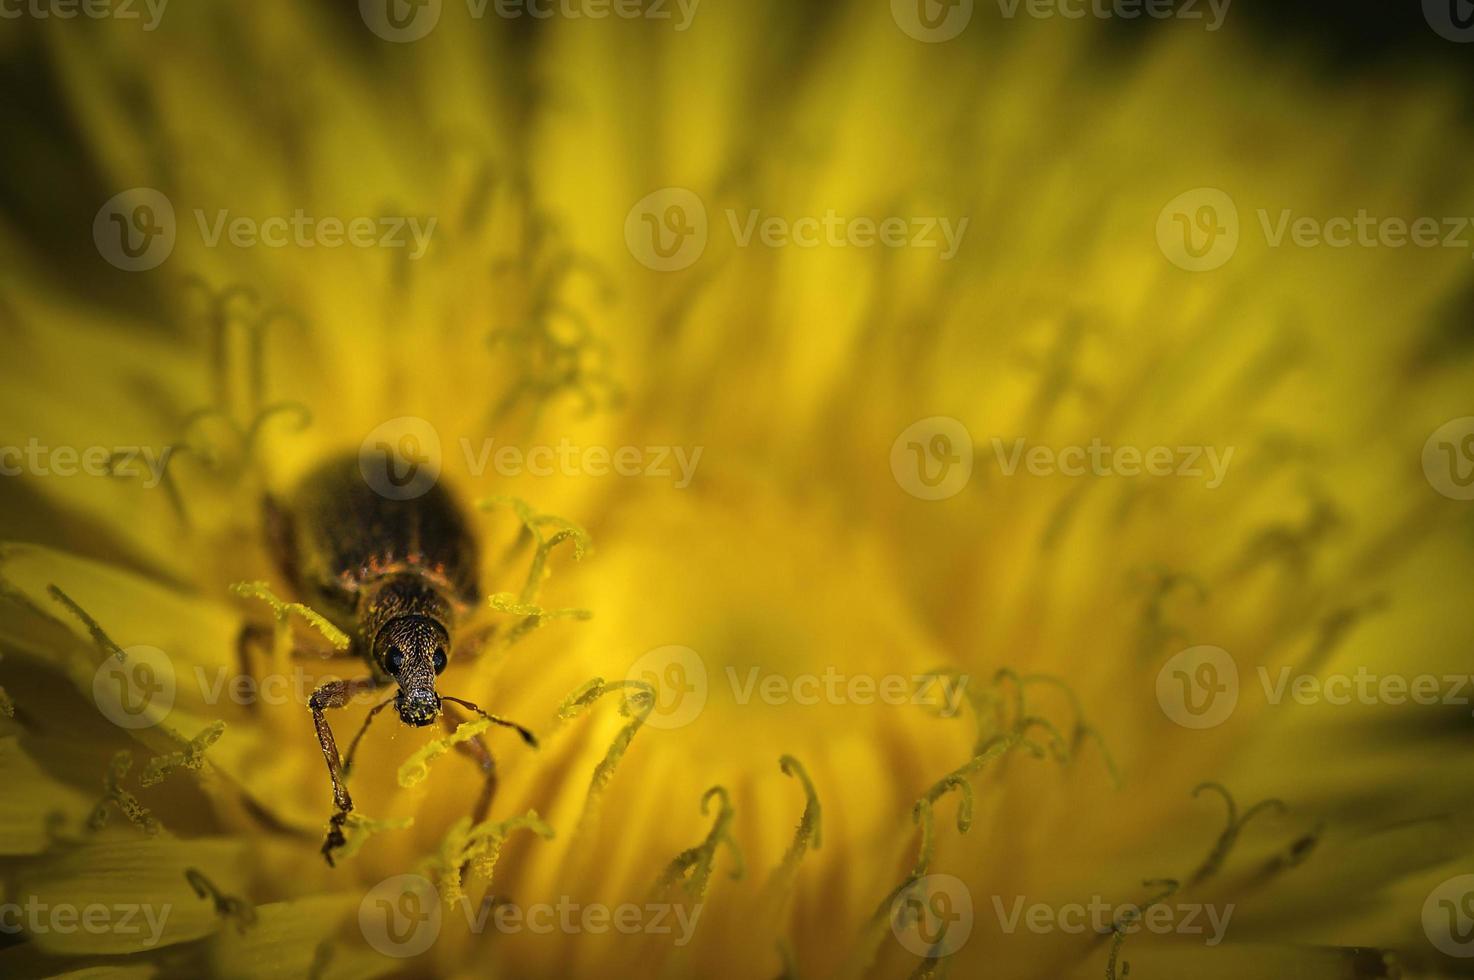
[{"x": 397, "y": 576}]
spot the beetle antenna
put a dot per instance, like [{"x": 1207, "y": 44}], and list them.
[{"x": 527, "y": 736}]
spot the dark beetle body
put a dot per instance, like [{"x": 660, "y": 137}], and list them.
[
  {"x": 349, "y": 536},
  {"x": 396, "y": 575}
]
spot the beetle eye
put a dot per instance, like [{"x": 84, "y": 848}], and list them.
[
  {"x": 394, "y": 660},
  {"x": 439, "y": 660}
]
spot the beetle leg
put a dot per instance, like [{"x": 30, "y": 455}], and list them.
[
  {"x": 336, "y": 694},
  {"x": 478, "y": 752}
]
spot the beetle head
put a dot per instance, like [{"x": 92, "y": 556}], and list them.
[{"x": 412, "y": 650}]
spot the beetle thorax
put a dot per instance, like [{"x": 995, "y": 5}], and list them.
[{"x": 398, "y": 596}]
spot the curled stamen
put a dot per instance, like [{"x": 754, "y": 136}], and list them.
[
  {"x": 546, "y": 532},
  {"x": 1081, "y": 730},
  {"x": 479, "y": 846},
  {"x": 534, "y": 616},
  {"x": 226, "y": 906},
  {"x": 534, "y": 525},
  {"x": 636, "y": 706},
  {"x": 1132, "y": 916},
  {"x": 126, "y": 802},
  {"x": 789, "y": 968},
  {"x": 99, "y": 636},
  {"x": 551, "y": 361},
  {"x": 166, "y": 478},
  {"x": 417, "y": 767},
  {"x": 1010, "y": 713},
  {"x": 1230, "y": 835},
  {"x": 281, "y": 611},
  {"x": 1292, "y": 544},
  {"x": 1161, "y": 584},
  {"x": 1333, "y": 629},
  {"x": 252, "y": 434},
  {"x": 810, "y": 825},
  {"x": 808, "y": 831},
  {"x": 693, "y": 866},
  {"x": 245, "y": 437},
  {"x": 358, "y": 828},
  {"x": 322, "y": 958},
  {"x": 923, "y": 815},
  {"x": 217, "y": 316},
  {"x": 191, "y": 757},
  {"x": 1299, "y": 850},
  {"x": 1019, "y": 699}
]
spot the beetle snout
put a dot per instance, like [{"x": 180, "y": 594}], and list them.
[{"x": 417, "y": 708}]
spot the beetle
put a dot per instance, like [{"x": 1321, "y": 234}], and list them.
[{"x": 397, "y": 572}]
